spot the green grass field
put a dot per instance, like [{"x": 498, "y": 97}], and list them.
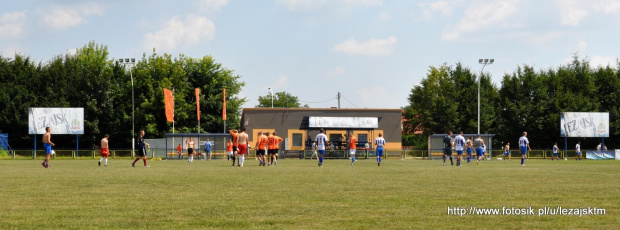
[{"x": 296, "y": 194}]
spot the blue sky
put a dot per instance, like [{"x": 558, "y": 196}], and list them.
[{"x": 371, "y": 51}]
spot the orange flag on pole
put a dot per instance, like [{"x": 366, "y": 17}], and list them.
[
  {"x": 198, "y": 103},
  {"x": 224, "y": 107},
  {"x": 169, "y": 105}
]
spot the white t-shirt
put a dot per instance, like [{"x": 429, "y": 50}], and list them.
[
  {"x": 523, "y": 141},
  {"x": 459, "y": 143},
  {"x": 379, "y": 141},
  {"x": 321, "y": 140},
  {"x": 578, "y": 148}
]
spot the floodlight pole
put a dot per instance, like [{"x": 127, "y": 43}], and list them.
[
  {"x": 271, "y": 92},
  {"x": 483, "y": 62},
  {"x": 133, "y": 128}
]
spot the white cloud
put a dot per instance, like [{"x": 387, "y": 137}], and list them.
[
  {"x": 177, "y": 32},
  {"x": 71, "y": 51},
  {"x": 541, "y": 39},
  {"x": 375, "y": 97},
  {"x": 608, "y": 6},
  {"x": 445, "y": 8},
  {"x": 384, "y": 16},
  {"x": 302, "y": 4},
  {"x": 282, "y": 82},
  {"x": 314, "y": 4},
  {"x": 12, "y": 25},
  {"x": 571, "y": 11},
  {"x": 338, "y": 71},
  {"x": 62, "y": 17},
  {"x": 603, "y": 61},
  {"x": 212, "y": 5},
  {"x": 582, "y": 46},
  {"x": 374, "y": 47},
  {"x": 480, "y": 16},
  {"x": 366, "y": 2},
  {"x": 10, "y": 51}
]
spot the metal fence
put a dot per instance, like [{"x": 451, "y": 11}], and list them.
[{"x": 303, "y": 154}]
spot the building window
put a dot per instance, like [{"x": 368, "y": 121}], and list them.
[
  {"x": 298, "y": 140},
  {"x": 362, "y": 138}
]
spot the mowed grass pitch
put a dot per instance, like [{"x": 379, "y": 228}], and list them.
[{"x": 296, "y": 194}]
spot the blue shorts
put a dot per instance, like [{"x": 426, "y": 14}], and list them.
[
  {"x": 555, "y": 154},
  {"x": 379, "y": 151},
  {"x": 578, "y": 153},
  {"x": 48, "y": 148},
  {"x": 523, "y": 150},
  {"x": 469, "y": 150},
  {"x": 321, "y": 152},
  {"x": 506, "y": 153},
  {"x": 459, "y": 152},
  {"x": 479, "y": 152}
]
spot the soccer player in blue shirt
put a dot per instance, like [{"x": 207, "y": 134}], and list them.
[
  {"x": 208, "y": 149},
  {"x": 379, "y": 142},
  {"x": 321, "y": 142},
  {"x": 524, "y": 146}
]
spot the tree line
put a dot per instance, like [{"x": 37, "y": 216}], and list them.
[
  {"x": 527, "y": 100},
  {"x": 100, "y": 84}
]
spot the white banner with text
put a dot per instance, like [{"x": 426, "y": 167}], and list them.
[
  {"x": 60, "y": 120},
  {"x": 344, "y": 122},
  {"x": 583, "y": 124}
]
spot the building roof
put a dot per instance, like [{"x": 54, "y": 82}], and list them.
[{"x": 317, "y": 109}]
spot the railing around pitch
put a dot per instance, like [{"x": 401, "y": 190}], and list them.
[
  {"x": 82, "y": 154},
  {"x": 534, "y": 154}
]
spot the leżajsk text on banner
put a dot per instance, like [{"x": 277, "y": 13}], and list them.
[
  {"x": 198, "y": 103},
  {"x": 169, "y": 105}
]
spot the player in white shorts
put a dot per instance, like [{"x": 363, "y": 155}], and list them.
[{"x": 352, "y": 148}]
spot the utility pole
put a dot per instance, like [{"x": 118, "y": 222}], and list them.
[{"x": 339, "y": 100}]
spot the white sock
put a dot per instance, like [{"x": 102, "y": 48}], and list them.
[
  {"x": 106, "y": 161},
  {"x": 100, "y": 159},
  {"x": 242, "y": 160}
]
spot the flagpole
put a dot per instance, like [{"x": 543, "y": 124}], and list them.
[
  {"x": 224, "y": 108},
  {"x": 172, "y": 120},
  {"x": 197, "y": 94}
]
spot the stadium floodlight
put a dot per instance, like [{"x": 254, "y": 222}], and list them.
[
  {"x": 483, "y": 62},
  {"x": 133, "y": 136}
]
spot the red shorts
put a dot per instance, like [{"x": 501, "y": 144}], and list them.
[
  {"x": 243, "y": 149},
  {"x": 105, "y": 152}
]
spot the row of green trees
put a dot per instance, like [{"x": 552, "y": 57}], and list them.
[
  {"x": 527, "y": 100},
  {"x": 102, "y": 86}
]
